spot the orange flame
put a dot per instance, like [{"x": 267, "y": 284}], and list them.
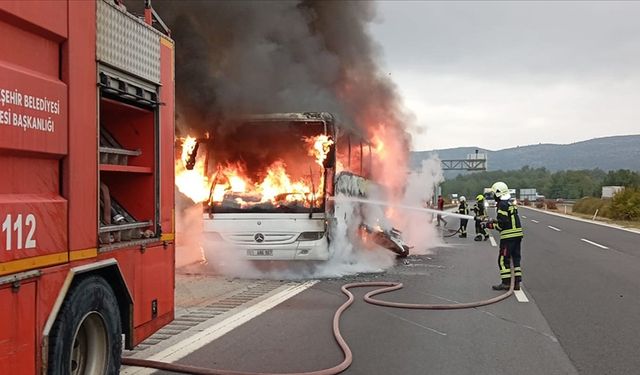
[
  {"x": 192, "y": 183},
  {"x": 378, "y": 145},
  {"x": 320, "y": 146},
  {"x": 188, "y": 145},
  {"x": 231, "y": 180},
  {"x": 277, "y": 182}
]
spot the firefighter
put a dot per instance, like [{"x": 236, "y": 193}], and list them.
[
  {"x": 507, "y": 222},
  {"x": 481, "y": 214},
  {"x": 463, "y": 209}
]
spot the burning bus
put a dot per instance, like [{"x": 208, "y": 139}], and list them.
[{"x": 266, "y": 182}]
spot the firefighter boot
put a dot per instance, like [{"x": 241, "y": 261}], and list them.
[
  {"x": 478, "y": 237},
  {"x": 463, "y": 235},
  {"x": 486, "y": 237},
  {"x": 500, "y": 286}
]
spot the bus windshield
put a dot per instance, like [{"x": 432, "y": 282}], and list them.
[{"x": 268, "y": 167}]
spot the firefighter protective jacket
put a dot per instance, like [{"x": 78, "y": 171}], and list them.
[
  {"x": 508, "y": 221},
  {"x": 478, "y": 208},
  {"x": 463, "y": 208}
]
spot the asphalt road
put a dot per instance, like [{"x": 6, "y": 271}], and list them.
[
  {"x": 589, "y": 295},
  {"x": 582, "y": 315}
]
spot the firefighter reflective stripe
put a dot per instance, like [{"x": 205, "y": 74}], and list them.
[
  {"x": 515, "y": 230},
  {"x": 509, "y": 258},
  {"x": 512, "y": 230},
  {"x": 500, "y": 213},
  {"x": 508, "y": 221},
  {"x": 511, "y": 233},
  {"x": 505, "y": 272}
]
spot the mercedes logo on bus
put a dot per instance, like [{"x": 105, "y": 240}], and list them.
[{"x": 259, "y": 237}]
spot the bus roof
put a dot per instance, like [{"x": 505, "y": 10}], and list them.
[{"x": 291, "y": 116}]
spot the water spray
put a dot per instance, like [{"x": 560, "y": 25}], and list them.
[{"x": 403, "y": 206}]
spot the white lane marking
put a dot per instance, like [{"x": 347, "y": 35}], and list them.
[
  {"x": 493, "y": 242},
  {"x": 554, "y": 228},
  {"x": 535, "y": 221},
  {"x": 524, "y": 217},
  {"x": 520, "y": 296},
  {"x": 593, "y": 243},
  {"x": 202, "y": 338}
]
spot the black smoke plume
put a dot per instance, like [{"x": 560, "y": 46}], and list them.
[{"x": 242, "y": 57}]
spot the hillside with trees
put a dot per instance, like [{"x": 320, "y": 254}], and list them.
[
  {"x": 608, "y": 153},
  {"x": 570, "y": 184}
]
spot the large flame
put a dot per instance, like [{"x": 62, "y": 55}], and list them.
[
  {"x": 188, "y": 146},
  {"x": 319, "y": 147},
  {"x": 378, "y": 145},
  {"x": 232, "y": 179},
  {"x": 192, "y": 183},
  {"x": 277, "y": 184}
]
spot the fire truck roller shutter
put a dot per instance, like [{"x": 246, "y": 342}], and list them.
[{"x": 86, "y": 335}]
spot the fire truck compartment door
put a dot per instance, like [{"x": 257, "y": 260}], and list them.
[
  {"x": 33, "y": 138},
  {"x": 18, "y": 329}
]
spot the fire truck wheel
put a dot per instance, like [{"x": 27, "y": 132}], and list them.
[{"x": 86, "y": 336}]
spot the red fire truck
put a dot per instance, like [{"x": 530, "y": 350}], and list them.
[{"x": 86, "y": 185}]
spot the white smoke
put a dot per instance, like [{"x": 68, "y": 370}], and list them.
[
  {"x": 348, "y": 253},
  {"x": 349, "y": 256},
  {"x": 415, "y": 225},
  {"x": 188, "y": 233}
]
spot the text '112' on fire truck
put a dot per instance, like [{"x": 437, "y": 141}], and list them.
[{"x": 86, "y": 197}]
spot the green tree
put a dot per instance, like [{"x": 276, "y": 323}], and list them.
[
  {"x": 625, "y": 205},
  {"x": 562, "y": 184},
  {"x": 622, "y": 177}
]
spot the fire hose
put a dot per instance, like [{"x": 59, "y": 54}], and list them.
[{"x": 386, "y": 287}]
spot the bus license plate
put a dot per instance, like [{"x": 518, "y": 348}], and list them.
[{"x": 260, "y": 252}]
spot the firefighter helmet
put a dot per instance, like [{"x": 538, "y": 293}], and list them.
[
  {"x": 501, "y": 190},
  {"x": 479, "y": 197},
  {"x": 462, "y": 199}
]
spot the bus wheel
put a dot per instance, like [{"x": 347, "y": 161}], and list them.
[{"x": 86, "y": 336}]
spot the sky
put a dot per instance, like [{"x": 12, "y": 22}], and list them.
[{"x": 511, "y": 73}]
